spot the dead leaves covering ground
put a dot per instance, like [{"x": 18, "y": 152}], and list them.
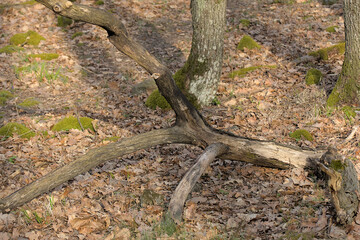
[{"x": 232, "y": 200}]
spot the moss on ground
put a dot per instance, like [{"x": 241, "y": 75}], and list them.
[
  {"x": 298, "y": 134},
  {"x": 99, "y": 2},
  {"x": 64, "y": 21},
  {"x": 243, "y": 71},
  {"x": 331, "y": 29},
  {"x": 77, "y": 34},
  {"x": 245, "y": 22},
  {"x": 323, "y": 54},
  {"x": 313, "y": 76},
  {"x": 112, "y": 139},
  {"x": 10, "y": 49},
  {"x": 9, "y": 129},
  {"x": 72, "y": 123},
  {"x": 29, "y": 102},
  {"x": 45, "y": 56},
  {"x": 247, "y": 42},
  {"x": 31, "y": 2},
  {"x": 4, "y": 96},
  {"x": 155, "y": 99},
  {"x": 30, "y": 38}
]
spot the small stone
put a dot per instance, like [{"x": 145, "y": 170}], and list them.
[
  {"x": 231, "y": 223},
  {"x": 230, "y": 103},
  {"x": 147, "y": 85}
]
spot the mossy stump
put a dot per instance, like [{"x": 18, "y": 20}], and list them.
[
  {"x": 325, "y": 53},
  {"x": 243, "y": 71},
  {"x": 9, "y": 49},
  {"x": 343, "y": 185},
  {"x": 64, "y": 21},
  {"x": 331, "y": 29},
  {"x": 247, "y": 42},
  {"x": 301, "y": 133},
  {"x": 30, "y": 38},
  {"x": 72, "y": 123},
  {"x": 9, "y": 129},
  {"x": 313, "y": 76}
]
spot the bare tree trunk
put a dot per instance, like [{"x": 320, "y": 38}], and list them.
[
  {"x": 190, "y": 128},
  {"x": 347, "y": 88},
  {"x": 201, "y": 73}
]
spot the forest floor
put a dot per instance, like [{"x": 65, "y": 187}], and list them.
[{"x": 126, "y": 198}]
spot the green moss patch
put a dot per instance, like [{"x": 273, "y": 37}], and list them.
[
  {"x": 112, "y": 139},
  {"x": 9, "y": 129},
  {"x": 301, "y": 133},
  {"x": 337, "y": 165},
  {"x": 29, "y": 102},
  {"x": 243, "y": 71},
  {"x": 10, "y": 49},
  {"x": 324, "y": 53},
  {"x": 99, "y": 2},
  {"x": 72, "y": 123},
  {"x": 155, "y": 99},
  {"x": 77, "y": 34},
  {"x": 4, "y": 96},
  {"x": 313, "y": 76},
  {"x": 64, "y": 21},
  {"x": 31, "y": 2},
  {"x": 245, "y": 22},
  {"x": 331, "y": 29},
  {"x": 45, "y": 56},
  {"x": 30, "y": 38},
  {"x": 247, "y": 42}
]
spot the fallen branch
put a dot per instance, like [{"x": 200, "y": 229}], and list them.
[
  {"x": 90, "y": 160},
  {"x": 182, "y": 191}
]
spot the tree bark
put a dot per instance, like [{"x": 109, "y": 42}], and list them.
[
  {"x": 189, "y": 128},
  {"x": 347, "y": 86},
  {"x": 201, "y": 73}
]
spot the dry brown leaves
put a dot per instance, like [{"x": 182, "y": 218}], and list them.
[{"x": 232, "y": 199}]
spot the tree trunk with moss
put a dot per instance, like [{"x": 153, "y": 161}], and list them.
[
  {"x": 201, "y": 73},
  {"x": 189, "y": 128},
  {"x": 347, "y": 86}
]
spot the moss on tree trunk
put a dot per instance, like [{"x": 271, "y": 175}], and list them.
[
  {"x": 201, "y": 73},
  {"x": 348, "y": 84}
]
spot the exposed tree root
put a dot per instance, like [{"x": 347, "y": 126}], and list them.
[{"x": 190, "y": 128}]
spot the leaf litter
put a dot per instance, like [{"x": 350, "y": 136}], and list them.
[{"x": 232, "y": 199}]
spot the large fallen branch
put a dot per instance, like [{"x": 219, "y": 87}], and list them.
[{"x": 190, "y": 128}]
